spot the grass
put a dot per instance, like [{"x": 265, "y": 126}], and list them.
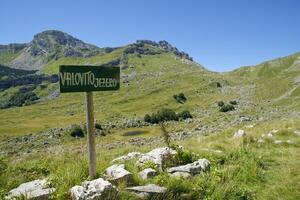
[{"x": 244, "y": 169}]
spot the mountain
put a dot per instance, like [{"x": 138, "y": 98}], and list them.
[
  {"x": 52, "y": 45},
  {"x": 44, "y": 47}
]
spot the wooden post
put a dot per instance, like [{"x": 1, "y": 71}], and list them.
[{"x": 91, "y": 134}]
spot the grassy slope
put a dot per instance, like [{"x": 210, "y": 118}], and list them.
[{"x": 156, "y": 82}]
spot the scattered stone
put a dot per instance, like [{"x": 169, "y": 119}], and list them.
[
  {"x": 147, "y": 173},
  {"x": 289, "y": 142},
  {"x": 37, "y": 189},
  {"x": 117, "y": 173},
  {"x": 297, "y": 133},
  {"x": 129, "y": 156},
  {"x": 94, "y": 190},
  {"x": 181, "y": 175},
  {"x": 240, "y": 133},
  {"x": 278, "y": 141},
  {"x": 158, "y": 156},
  {"x": 148, "y": 191},
  {"x": 249, "y": 126},
  {"x": 245, "y": 119},
  {"x": 191, "y": 168},
  {"x": 270, "y": 134},
  {"x": 260, "y": 140},
  {"x": 274, "y": 131}
]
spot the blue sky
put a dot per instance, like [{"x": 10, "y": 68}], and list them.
[{"x": 221, "y": 35}]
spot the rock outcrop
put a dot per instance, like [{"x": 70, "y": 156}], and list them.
[
  {"x": 147, "y": 173},
  {"x": 37, "y": 189},
  {"x": 158, "y": 156},
  {"x": 94, "y": 190},
  {"x": 240, "y": 133},
  {"x": 117, "y": 173},
  {"x": 127, "y": 157},
  {"x": 148, "y": 191},
  {"x": 192, "y": 168}
]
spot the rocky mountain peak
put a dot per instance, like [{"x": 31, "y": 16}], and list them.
[
  {"x": 59, "y": 42},
  {"x": 166, "y": 46},
  {"x": 49, "y": 45}
]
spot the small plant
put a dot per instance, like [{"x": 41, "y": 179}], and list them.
[
  {"x": 149, "y": 164},
  {"x": 183, "y": 156},
  {"x": 147, "y": 118},
  {"x": 221, "y": 103},
  {"x": 98, "y": 126},
  {"x": 180, "y": 98},
  {"x": 166, "y": 135},
  {"x": 76, "y": 131},
  {"x": 184, "y": 115},
  {"x": 227, "y": 108},
  {"x": 233, "y": 102}
]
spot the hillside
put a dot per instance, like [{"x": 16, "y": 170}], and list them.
[{"x": 36, "y": 140}]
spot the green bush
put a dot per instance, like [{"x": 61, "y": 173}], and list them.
[
  {"x": 183, "y": 156},
  {"x": 221, "y": 103},
  {"x": 227, "y": 108},
  {"x": 166, "y": 114},
  {"x": 184, "y": 115},
  {"x": 76, "y": 131},
  {"x": 147, "y": 118},
  {"x": 98, "y": 126},
  {"x": 20, "y": 99},
  {"x": 180, "y": 98},
  {"x": 233, "y": 102}
]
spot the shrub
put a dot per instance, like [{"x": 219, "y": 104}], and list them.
[
  {"x": 180, "y": 98},
  {"x": 233, "y": 102},
  {"x": 98, "y": 126},
  {"x": 20, "y": 99},
  {"x": 147, "y": 118},
  {"x": 166, "y": 114},
  {"x": 183, "y": 156},
  {"x": 226, "y": 108},
  {"x": 184, "y": 115},
  {"x": 166, "y": 135},
  {"x": 76, "y": 131},
  {"x": 221, "y": 103}
]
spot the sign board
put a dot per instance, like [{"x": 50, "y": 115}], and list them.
[{"x": 86, "y": 78}]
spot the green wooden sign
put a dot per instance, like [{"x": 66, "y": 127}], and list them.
[{"x": 86, "y": 78}]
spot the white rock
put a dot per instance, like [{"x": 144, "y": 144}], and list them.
[
  {"x": 249, "y": 126},
  {"x": 129, "y": 156},
  {"x": 278, "y": 141},
  {"x": 117, "y": 173},
  {"x": 37, "y": 189},
  {"x": 289, "y": 142},
  {"x": 94, "y": 190},
  {"x": 240, "y": 133},
  {"x": 150, "y": 190},
  {"x": 158, "y": 156},
  {"x": 191, "y": 168},
  {"x": 270, "y": 134},
  {"x": 274, "y": 131},
  {"x": 260, "y": 140},
  {"x": 181, "y": 175},
  {"x": 297, "y": 133},
  {"x": 147, "y": 173}
]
